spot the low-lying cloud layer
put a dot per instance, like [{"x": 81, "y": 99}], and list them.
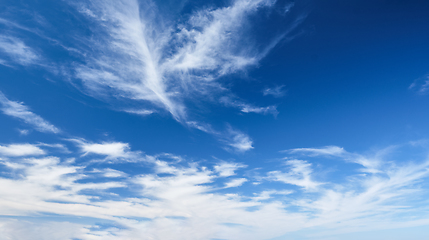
[{"x": 176, "y": 199}]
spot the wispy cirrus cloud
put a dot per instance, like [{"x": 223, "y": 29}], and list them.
[
  {"x": 22, "y": 112},
  {"x": 233, "y": 139},
  {"x": 143, "y": 57},
  {"x": 328, "y": 150},
  {"x": 248, "y": 108},
  {"x": 372, "y": 162},
  {"x": 227, "y": 169},
  {"x": 275, "y": 92},
  {"x": 421, "y": 85},
  {"x": 143, "y": 61},
  {"x": 299, "y": 174},
  {"x": 238, "y": 141},
  {"x": 17, "y": 52}
]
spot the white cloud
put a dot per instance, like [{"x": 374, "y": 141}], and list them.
[
  {"x": 22, "y": 112},
  {"x": 18, "y": 51},
  {"x": 29, "y": 230},
  {"x": 111, "y": 150},
  {"x": 233, "y": 139},
  {"x": 142, "y": 112},
  {"x": 265, "y": 195},
  {"x": 421, "y": 85},
  {"x": 247, "y": 108},
  {"x": 239, "y": 141},
  {"x": 58, "y": 146},
  {"x": 299, "y": 174},
  {"x": 110, "y": 173},
  {"x": 227, "y": 169},
  {"x": 371, "y": 162},
  {"x": 275, "y": 92},
  {"x": 17, "y": 150},
  {"x": 328, "y": 150},
  {"x": 236, "y": 182},
  {"x": 23, "y": 132}
]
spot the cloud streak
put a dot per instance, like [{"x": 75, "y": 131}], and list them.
[
  {"x": 233, "y": 139},
  {"x": 17, "y": 51},
  {"x": 22, "y": 112}
]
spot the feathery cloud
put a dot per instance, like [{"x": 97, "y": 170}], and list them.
[
  {"x": 275, "y": 92},
  {"x": 143, "y": 59},
  {"x": 17, "y": 51},
  {"x": 299, "y": 174},
  {"x": 421, "y": 85}
]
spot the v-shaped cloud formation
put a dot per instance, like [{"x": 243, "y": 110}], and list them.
[
  {"x": 139, "y": 57},
  {"x": 143, "y": 62}
]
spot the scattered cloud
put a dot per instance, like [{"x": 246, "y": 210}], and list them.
[
  {"x": 19, "y": 150},
  {"x": 371, "y": 162},
  {"x": 111, "y": 150},
  {"x": 235, "y": 182},
  {"x": 275, "y": 92},
  {"x": 22, "y": 112},
  {"x": 110, "y": 173},
  {"x": 227, "y": 169},
  {"x": 24, "y": 131},
  {"x": 238, "y": 141},
  {"x": 142, "y": 112},
  {"x": 266, "y": 195},
  {"x": 299, "y": 174},
  {"x": 17, "y": 51},
  {"x": 233, "y": 139},
  {"x": 171, "y": 199},
  {"x": 247, "y": 108},
  {"x": 58, "y": 146},
  {"x": 328, "y": 150},
  {"x": 421, "y": 85}
]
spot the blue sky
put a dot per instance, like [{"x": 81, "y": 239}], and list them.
[{"x": 240, "y": 119}]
